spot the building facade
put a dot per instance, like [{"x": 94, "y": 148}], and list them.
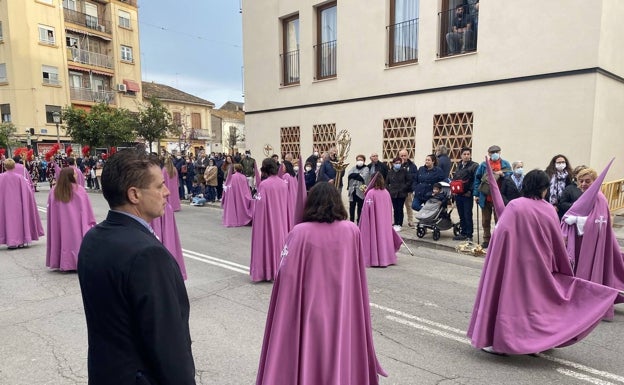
[
  {"x": 190, "y": 113},
  {"x": 229, "y": 125},
  {"x": 536, "y": 78},
  {"x": 56, "y": 53}
]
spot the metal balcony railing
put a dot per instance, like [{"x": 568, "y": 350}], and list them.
[
  {"x": 88, "y": 21},
  {"x": 86, "y": 57},
  {"x": 403, "y": 42},
  {"x": 290, "y": 67},
  {"x": 201, "y": 134},
  {"x": 87, "y": 94},
  {"x": 326, "y": 59},
  {"x": 455, "y": 40}
]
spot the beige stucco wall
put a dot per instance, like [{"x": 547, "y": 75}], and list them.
[
  {"x": 125, "y": 70},
  {"x": 608, "y": 127}
]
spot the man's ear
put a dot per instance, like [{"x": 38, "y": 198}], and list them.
[{"x": 134, "y": 195}]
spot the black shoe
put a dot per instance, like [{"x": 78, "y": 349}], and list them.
[
  {"x": 485, "y": 244},
  {"x": 459, "y": 238}
]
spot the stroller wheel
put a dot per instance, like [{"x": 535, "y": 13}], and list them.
[
  {"x": 456, "y": 229},
  {"x": 421, "y": 231},
  {"x": 436, "y": 234}
]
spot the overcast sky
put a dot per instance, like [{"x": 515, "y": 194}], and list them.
[{"x": 194, "y": 46}]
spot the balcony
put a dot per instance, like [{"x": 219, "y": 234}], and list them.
[
  {"x": 459, "y": 29},
  {"x": 200, "y": 134},
  {"x": 88, "y": 21},
  {"x": 290, "y": 67},
  {"x": 403, "y": 42},
  {"x": 89, "y": 95},
  {"x": 92, "y": 58},
  {"x": 326, "y": 60}
]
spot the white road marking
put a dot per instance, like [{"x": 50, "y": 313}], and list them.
[{"x": 424, "y": 325}]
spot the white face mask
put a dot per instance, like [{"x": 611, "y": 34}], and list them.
[
  {"x": 296, "y": 168},
  {"x": 315, "y": 153},
  {"x": 560, "y": 166},
  {"x": 308, "y": 168},
  {"x": 359, "y": 163},
  {"x": 318, "y": 165}
]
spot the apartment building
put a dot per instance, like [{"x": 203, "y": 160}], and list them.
[
  {"x": 55, "y": 53},
  {"x": 537, "y": 78},
  {"x": 190, "y": 113}
]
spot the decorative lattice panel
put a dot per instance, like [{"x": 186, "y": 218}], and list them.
[
  {"x": 398, "y": 134},
  {"x": 324, "y": 136},
  {"x": 454, "y": 131},
  {"x": 290, "y": 141}
]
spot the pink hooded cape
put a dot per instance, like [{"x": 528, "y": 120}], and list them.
[
  {"x": 236, "y": 201},
  {"x": 380, "y": 242},
  {"x": 80, "y": 179},
  {"x": 19, "y": 217},
  {"x": 67, "y": 224},
  {"x": 302, "y": 194},
  {"x": 591, "y": 243},
  {"x": 528, "y": 300},
  {"x": 291, "y": 202},
  {"x": 21, "y": 170},
  {"x": 318, "y": 328},
  {"x": 166, "y": 229},
  {"x": 173, "y": 186},
  {"x": 269, "y": 228}
]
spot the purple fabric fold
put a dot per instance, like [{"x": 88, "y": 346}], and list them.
[
  {"x": 291, "y": 202},
  {"x": 380, "y": 242},
  {"x": 67, "y": 223},
  {"x": 166, "y": 229},
  {"x": 236, "y": 201},
  {"x": 302, "y": 194},
  {"x": 318, "y": 328},
  {"x": 528, "y": 300},
  {"x": 173, "y": 186},
  {"x": 497, "y": 197},
  {"x": 19, "y": 218}
]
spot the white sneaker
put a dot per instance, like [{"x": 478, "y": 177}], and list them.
[{"x": 397, "y": 228}]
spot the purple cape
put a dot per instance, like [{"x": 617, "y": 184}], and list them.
[
  {"x": 302, "y": 194},
  {"x": 166, "y": 230},
  {"x": 21, "y": 170},
  {"x": 19, "y": 217},
  {"x": 379, "y": 240},
  {"x": 528, "y": 300},
  {"x": 67, "y": 225},
  {"x": 291, "y": 202},
  {"x": 236, "y": 201},
  {"x": 173, "y": 186},
  {"x": 318, "y": 328},
  {"x": 269, "y": 228}
]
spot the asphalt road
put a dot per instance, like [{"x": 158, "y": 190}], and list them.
[{"x": 420, "y": 310}]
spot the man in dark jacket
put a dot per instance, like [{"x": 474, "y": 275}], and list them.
[
  {"x": 412, "y": 171},
  {"x": 443, "y": 161},
  {"x": 135, "y": 301},
  {"x": 465, "y": 172},
  {"x": 377, "y": 166}
]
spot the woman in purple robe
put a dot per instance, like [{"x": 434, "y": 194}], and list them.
[
  {"x": 171, "y": 181},
  {"x": 236, "y": 201},
  {"x": 70, "y": 216},
  {"x": 318, "y": 328},
  {"x": 528, "y": 299},
  {"x": 19, "y": 218},
  {"x": 269, "y": 225}
]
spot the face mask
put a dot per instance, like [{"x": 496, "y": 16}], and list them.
[
  {"x": 318, "y": 165},
  {"x": 519, "y": 171},
  {"x": 315, "y": 153},
  {"x": 397, "y": 167},
  {"x": 308, "y": 168},
  {"x": 560, "y": 166},
  {"x": 359, "y": 163},
  {"x": 495, "y": 156},
  {"x": 296, "y": 168}
]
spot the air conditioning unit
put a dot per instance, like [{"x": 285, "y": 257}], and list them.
[{"x": 122, "y": 88}]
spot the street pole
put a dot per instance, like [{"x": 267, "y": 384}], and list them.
[{"x": 56, "y": 116}]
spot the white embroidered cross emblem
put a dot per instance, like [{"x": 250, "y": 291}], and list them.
[{"x": 600, "y": 221}]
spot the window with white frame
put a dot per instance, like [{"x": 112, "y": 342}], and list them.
[
  {"x": 403, "y": 32},
  {"x": 3, "y": 74},
  {"x": 70, "y": 4},
  {"x": 50, "y": 75},
  {"x": 326, "y": 41},
  {"x": 46, "y": 34},
  {"x": 126, "y": 53},
  {"x": 124, "y": 19},
  {"x": 5, "y": 112}
]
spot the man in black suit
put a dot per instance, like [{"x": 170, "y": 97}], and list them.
[{"x": 135, "y": 301}]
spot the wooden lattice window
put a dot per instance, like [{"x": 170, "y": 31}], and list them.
[
  {"x": 290, "y": 138},
  {"x": 454, "y": 131},
  {"x": 324, "y": 136},
  {"x": 398, "y": 133}
]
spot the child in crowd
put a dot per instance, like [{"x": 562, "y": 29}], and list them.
[{"x": 197, "y": 197}]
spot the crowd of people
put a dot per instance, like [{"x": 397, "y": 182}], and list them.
[{"x": 318, "y": 327}]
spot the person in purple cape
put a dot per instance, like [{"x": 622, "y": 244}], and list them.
[
  {"x": 171, "y": 181},
  {"x": 318, "y": 328},
  {"x": 380, "y": 242},
  {"x": 269, "y": 225},
  {"x": 291, "y": 181},
  {"x": 21, "y": 170},
  {"x": 70, "y": 216},
  {"x": 71, "y": 163},
  {"x": 19, "y": 218},
  {"x": 528, "y": 299},
  {"x": 591, "y": 244},
  {"x": 166, "y": 230},
  {"x": 236, "y": 201}
]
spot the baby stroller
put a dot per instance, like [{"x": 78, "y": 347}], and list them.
[{"x": 435, "y": 216}]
